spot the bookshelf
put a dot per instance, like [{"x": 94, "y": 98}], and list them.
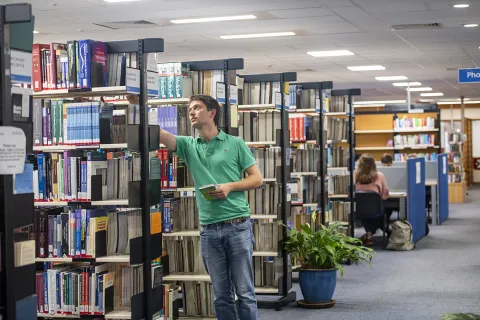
[
  {"x": 79, "y": 207},
  {"x": 261, "y": 121},
  {"x": 340, "y": 181},
  {"x": 392, "y": 129},
  {"x": 455, "y": 146},
  {"x": 17, "y": 270}
]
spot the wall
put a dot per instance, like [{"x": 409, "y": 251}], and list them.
[
  {"x": 455, "y": 114},
  {"x": 476, "y": 148}
]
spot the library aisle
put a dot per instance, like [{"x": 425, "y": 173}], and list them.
[{"x": 440, "y": 276}]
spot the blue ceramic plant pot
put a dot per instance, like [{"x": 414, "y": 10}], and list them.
[{"x": 318, "y": 286}]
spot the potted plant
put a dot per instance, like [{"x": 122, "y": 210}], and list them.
[{"x": 322, "y": 253}]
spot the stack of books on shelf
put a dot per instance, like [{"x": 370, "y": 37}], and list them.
[
  {"x": 305, "y": 160},
  {"x": 303, "y": 127},
  {"x": 184, "y": 255},
  {"x": 337, "y": 129},
  {"x": 78, "y": 175},
  {"x": 338, "y": 104},
  {"x": 267, "y": 271},
  {"x": 304, "y": 189},
  {"x": 416, "y": 140},
  {"x": 404, "y": 156},
  {"x": 180, "y": 214},
  {"x": 406, "y": 123},
  {"x": 175, "y": 80},
  {"x": 78, "y": 65},
  {"x": 260, "y": 93},
  {"x": 264, "y": 200},
  {"x": 258, "y": 125},
  {"x": 339, "y": 211},
  {"x": 454, "y": 149},
  {"x": 338, "y": 185},
  {"x": 198, "y": 299},
  {"x": 268, "y": 160},
  {"x": 337, "y": 157}
]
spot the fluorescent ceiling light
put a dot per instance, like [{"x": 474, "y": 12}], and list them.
[
  {"x": 378, "y": 102},
  {"x": 406, "y": 84},
  {"x": 461, "y": 5},
  {"x": 470, "y": 25},
  {"x": 432, "y": 94},
  {"x": 213, "y": 19},
  {"x": 366, "y": 68},
  {"x": 420, "y": 89},
  {"x": 391, "y": 78},
  {"x": 457, "y": 102},
  {"x": 120, "y": 0},
  {"x": 332, "y": 53},
  {"x": 35, "y": 31},
  {"x": 258, "y": 35}
]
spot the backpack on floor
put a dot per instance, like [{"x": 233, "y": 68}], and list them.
[{"x": 401, "y": 237}]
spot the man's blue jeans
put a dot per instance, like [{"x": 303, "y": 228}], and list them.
[{"x": 227, "y": 254}]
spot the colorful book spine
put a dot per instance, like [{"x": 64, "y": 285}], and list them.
[{"x": 85, "y": 58}]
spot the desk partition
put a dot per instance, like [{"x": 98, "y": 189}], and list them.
[
  {"x": 396, "y": 178},
  {"x": 442, "y": 167},
  {"x": 416, "y": 197}
]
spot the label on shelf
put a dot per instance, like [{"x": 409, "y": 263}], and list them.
[
  {"x": 278, "y": 100},
  {"x": 286, "y": 101},
  {"x": 233, "y": 94},
  {"x": 221, "y": 92},
  {"x": 152, "y": 83},
  {"x": 133, "y": 80},
  {"x": 418, "y": 172},
  {"x": 21, "y": 66},
  {"x": 12, "y": 150}
]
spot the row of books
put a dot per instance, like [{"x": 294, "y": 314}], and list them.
[
  {"x": 258, "y": 125},
  {"x": 74, "y": 175},
  {"x": 337, "y": 129},
  {"x": 337, "y": 157},
  {"x": 338, "y": 184},
  {"x": 265, "y": 235},
  {"x": 404, "y": 156},
  {"x": 415, "y": 139},
  {"x": 267, "y": 271},
  {"x": 174, "y": 119},
  {"x": 303, "y": 127},
  {"x": 339, "y": 211},
  {"x": 173, "y": 172},
  {"x": 78, "y": 64},
  {"x": 304, "y": 189},
  {"x": 455, "y": 177},
  {"x": 455, "y": 137},
  {"x": 180, "y": 214},
  {"x": 198, "y": 299},
  {"x": 339, "y": 104},
  {"x": 407, "y": 122},
  {"x": 260, "y": 92},
  {"x": 268, "y": 160},
  {"x": 184, "y": 255},
  {"x": 305, "y": 160},
  {"x": 264, "y": 200},
  {"x": 175, "y": 80},
  {"x": 307, "y": 99}
]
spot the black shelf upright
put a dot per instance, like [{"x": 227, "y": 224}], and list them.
[
  {"x": 322, "y": 93},
  {"x": 282, "y": 141},
  {"x": 17, "y": 296},
  {"x": 226, "y": 65},
  {"x": 350, "y": 93}
]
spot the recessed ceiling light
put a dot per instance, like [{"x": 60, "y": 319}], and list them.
[
  {"x": 470, "y": 25},
  {"x": 366, "y": 68},
  {"x": 213, "y": 19},
  {"x": 120, "y": 0},
  {"x": 35, "y": 31},
  {"x": 258, "y": 35},
  {"x": 432, "y": 94},
  {"x": 406, "y": 84},
  {"x": 420, "y": 89},
  {"x": 391, "y": 78},
  {"x": 461, "y": 5},
  {"x": 331, "y": 53}
]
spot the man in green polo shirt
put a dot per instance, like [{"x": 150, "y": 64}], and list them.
[{"x": 226, "y": 237}]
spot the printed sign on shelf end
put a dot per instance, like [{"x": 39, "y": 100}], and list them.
[
  {"x": 233, "y": 94},
  {"x": 153, "y": 84},
  {"x": 133, "y": 80},
  {"x": 12, "y": 150},
  {"x": 221, "y": 92},
  {"x": 21, "y": 66},
  {"x": 278, "y": 100}
]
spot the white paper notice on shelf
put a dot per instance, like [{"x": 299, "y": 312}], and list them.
[
  {"x": 133, "y": 80},
  {"x": 444, "y": 165},
  {"x": 233, "y": 94},
  {"x": 418, "y": 172},
  {"x": 153, "y": 84},
  {"x": 12, "y": 150},
  {"x": 221, "y": 93},
  {"x": 21, "y": 66},
  {"x": 278, "y": 100}
]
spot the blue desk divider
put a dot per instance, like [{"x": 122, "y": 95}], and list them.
[
  {"x": 443, "y": 187},
  {"x": 416, "y": 197}
]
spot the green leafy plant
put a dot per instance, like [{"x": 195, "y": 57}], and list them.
[
  {"x": 326, "y": 248},
  {"x": 460, "y": 316}
]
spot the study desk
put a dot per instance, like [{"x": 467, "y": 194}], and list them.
[{"x": 402, "y": 196}]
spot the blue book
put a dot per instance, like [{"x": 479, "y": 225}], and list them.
[
  {"x": 87, "y": 233},
  {"x": 45, "y": 291},
  {"x": 42, "y": 179},
  {"x": 23, "y": 182},
  {"x": 84, "y": 62}
]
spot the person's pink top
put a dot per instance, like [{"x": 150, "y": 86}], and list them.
[{"x": 380, "y": 186}]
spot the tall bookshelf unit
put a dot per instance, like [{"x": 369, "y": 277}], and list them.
[
  {"x": 455, "y": 146},
  {"x": 395, "y": 130},
  {"x": 17, "y": 279},
  {"x": 341, "y": 107},
  {"x": 143, "y": 195},
  {"x": 278, "y": 102},
  {"x": 183, "y": 267}
]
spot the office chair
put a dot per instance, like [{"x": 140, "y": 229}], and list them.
[{"x": 369, "y": 204}]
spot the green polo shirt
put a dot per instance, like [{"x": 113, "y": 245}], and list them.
[{"x": 221, "y": 160}]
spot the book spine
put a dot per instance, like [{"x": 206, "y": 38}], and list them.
[
  {"x": 37, "y": 122},
  {"x": 44, "y": 127},
  {"x": 53, "y": 67},
  {"x": 72, "y": 65},
  {"x": 85, "y": 63},
  {"x": 41, "y": 176},
  {"x": 78, "y": 233},
  {"x": 60, "y": 121},
  {"x": 37, "y": 68}
]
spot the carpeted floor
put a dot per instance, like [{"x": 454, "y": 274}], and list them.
[{"x": 441, "y": 275}]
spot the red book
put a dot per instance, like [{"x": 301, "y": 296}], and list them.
[{"x": 37, "y": 66}]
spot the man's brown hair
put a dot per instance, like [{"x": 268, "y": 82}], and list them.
[
  {"x": 210, "y": 102},
  {"x": 387, "y": 159}
]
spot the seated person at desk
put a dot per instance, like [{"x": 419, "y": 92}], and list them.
[{"x": 367, "y": 178}]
